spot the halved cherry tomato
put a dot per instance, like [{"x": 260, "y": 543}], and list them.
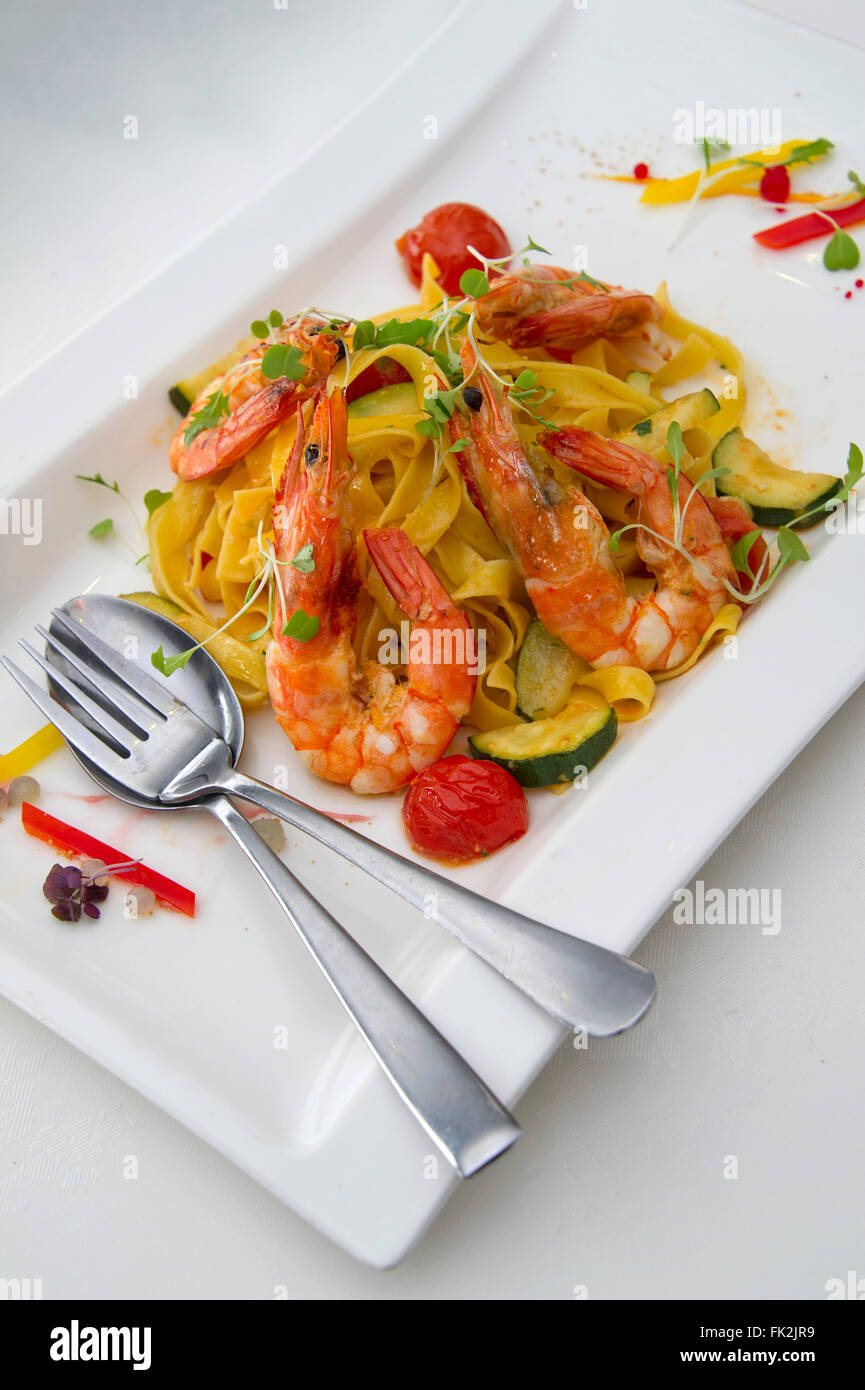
[
  {"x": 445, "y": 233},
  {"x": 461, "y": 809},
  {"x": 383, "y": 372}
]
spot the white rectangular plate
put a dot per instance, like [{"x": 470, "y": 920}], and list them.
[{"x": 224, "y": 1021}]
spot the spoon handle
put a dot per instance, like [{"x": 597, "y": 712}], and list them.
[
  {"x": 576, "y": 981},
  {"x": 458, "y": 1112}
]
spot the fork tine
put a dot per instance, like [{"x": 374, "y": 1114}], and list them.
[
  {"x": 116, "y": 732},
  {"x": 125, "y": 671},
  {"x": 109, "y": 688},
  {"x": 76, "y": 734}
]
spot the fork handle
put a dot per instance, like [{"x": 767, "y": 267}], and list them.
[
  {"x": 581, "y": 984},
  {"x": 459, "y": 1113}
]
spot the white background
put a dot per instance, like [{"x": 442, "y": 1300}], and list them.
[{"x": 754, "y": 1047}]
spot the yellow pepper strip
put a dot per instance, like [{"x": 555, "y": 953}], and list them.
[
  {"x": 679, "y": 190},
  {"x": 742, "y": 192},
  {"x": 20, "y": 760}
]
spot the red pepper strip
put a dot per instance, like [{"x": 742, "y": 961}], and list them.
[
  {"x": 810, "y": 226},
  {"x": 71, "y": 841}
]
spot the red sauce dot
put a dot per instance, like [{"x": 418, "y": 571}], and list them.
[
  {"x": 775, "y": 184},
  {"x": 641, "y": 171},
  {"x": 859, "y": 284},
  {"x": 849, "y": 294}
]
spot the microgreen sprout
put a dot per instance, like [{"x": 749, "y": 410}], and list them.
[
  {"x": 72, "y": 892},
  {"x": 301, "y": 626},
  {"x": 802, "y": 154},
  {"x": 268, "y": 578},
  {"x": 106, "y": 526}
]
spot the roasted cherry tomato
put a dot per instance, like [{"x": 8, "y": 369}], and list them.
[
  {"x": 383, "y": 372},
  {"x": 461, "y": 809},
  {"x": 445, "y": 233}
]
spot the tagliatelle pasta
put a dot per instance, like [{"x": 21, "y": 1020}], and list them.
[{"x": 204, "y": 541}]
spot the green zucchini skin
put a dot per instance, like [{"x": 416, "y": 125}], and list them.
[
  {"x": 546, "y": 673},
  {"x": 179, "y": 399},
  {"x": 641, "y": 381},
  {"x": 550, "y": 751},
  {"x": 687, "y": 412},
  {"x": 776, "y": 496}
]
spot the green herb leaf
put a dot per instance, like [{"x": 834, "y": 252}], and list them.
[
  {"x": 642, "y": 427},
  {"x": 364, "y": 334},
  {"x": 854, "y": 466},
  {"x": 301, "y": 626},
  {"x": 274, "y": 318},
  {"x": 457, "y": 445},
  {"x": 675, "y": 443},
  {"x": 304, "y": 560},
  {"x": 102, "y": 528},
  {"x": 802, "y": 155},
  {"x": 283, "y": 361},
  {"x": 411, "y": 331},
  {"x": 805, "y": 153},
  {"x": 856, "y": 181},
  {"x": 614, "y": 540},
  {"x": 99, "y": 480},
  {"x": 154, "y": 499},
  {"x": 475, "y": 283},
  {"x": 790, "y": 546},
  {"x": 207, "y": 418},
  {"x": 741, "y": 551},
  {"x": 589, "y": 279},
  {"x": 526, "y": 381},
  {"x": 430, "y": 429},
  {"x": 259, "y": 328},
  {"x": 533, "y": 246},
  {"x": 450, "y": 365},
  {"x": 673, "y": 485},
  {"x": 167, "y": 665},
  {"x": 842, "y": 253}
]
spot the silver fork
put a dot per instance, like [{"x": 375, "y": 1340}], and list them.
[
  {"x": 179, "y": 760},
  {"x": 147, "y": 740}
]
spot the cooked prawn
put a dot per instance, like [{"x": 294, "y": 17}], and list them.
[
  {"x": 255, "y": 405},
  {"x": 355, "y": 725},
  {"x": 545, "y": 306},
  {"x": 560, "y": 543}
]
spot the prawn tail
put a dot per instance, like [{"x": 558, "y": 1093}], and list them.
[
  {"x": 409, "y": 578},
  {"x": 604, "y": 460}
]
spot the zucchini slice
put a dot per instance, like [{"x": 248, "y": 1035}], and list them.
[
  {"x": 687, "y": 412},
  {"x": 547, "y": 672},
  {"x": 183, "y": 393},
  {"x": 550, "y": 750},
  {"x": 776, "y": 496},
  {"x": 399, "y": 399},
  {"x": 641, "y": 381}
]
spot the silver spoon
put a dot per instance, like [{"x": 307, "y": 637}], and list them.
[{"x": 130, "y": 733}]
